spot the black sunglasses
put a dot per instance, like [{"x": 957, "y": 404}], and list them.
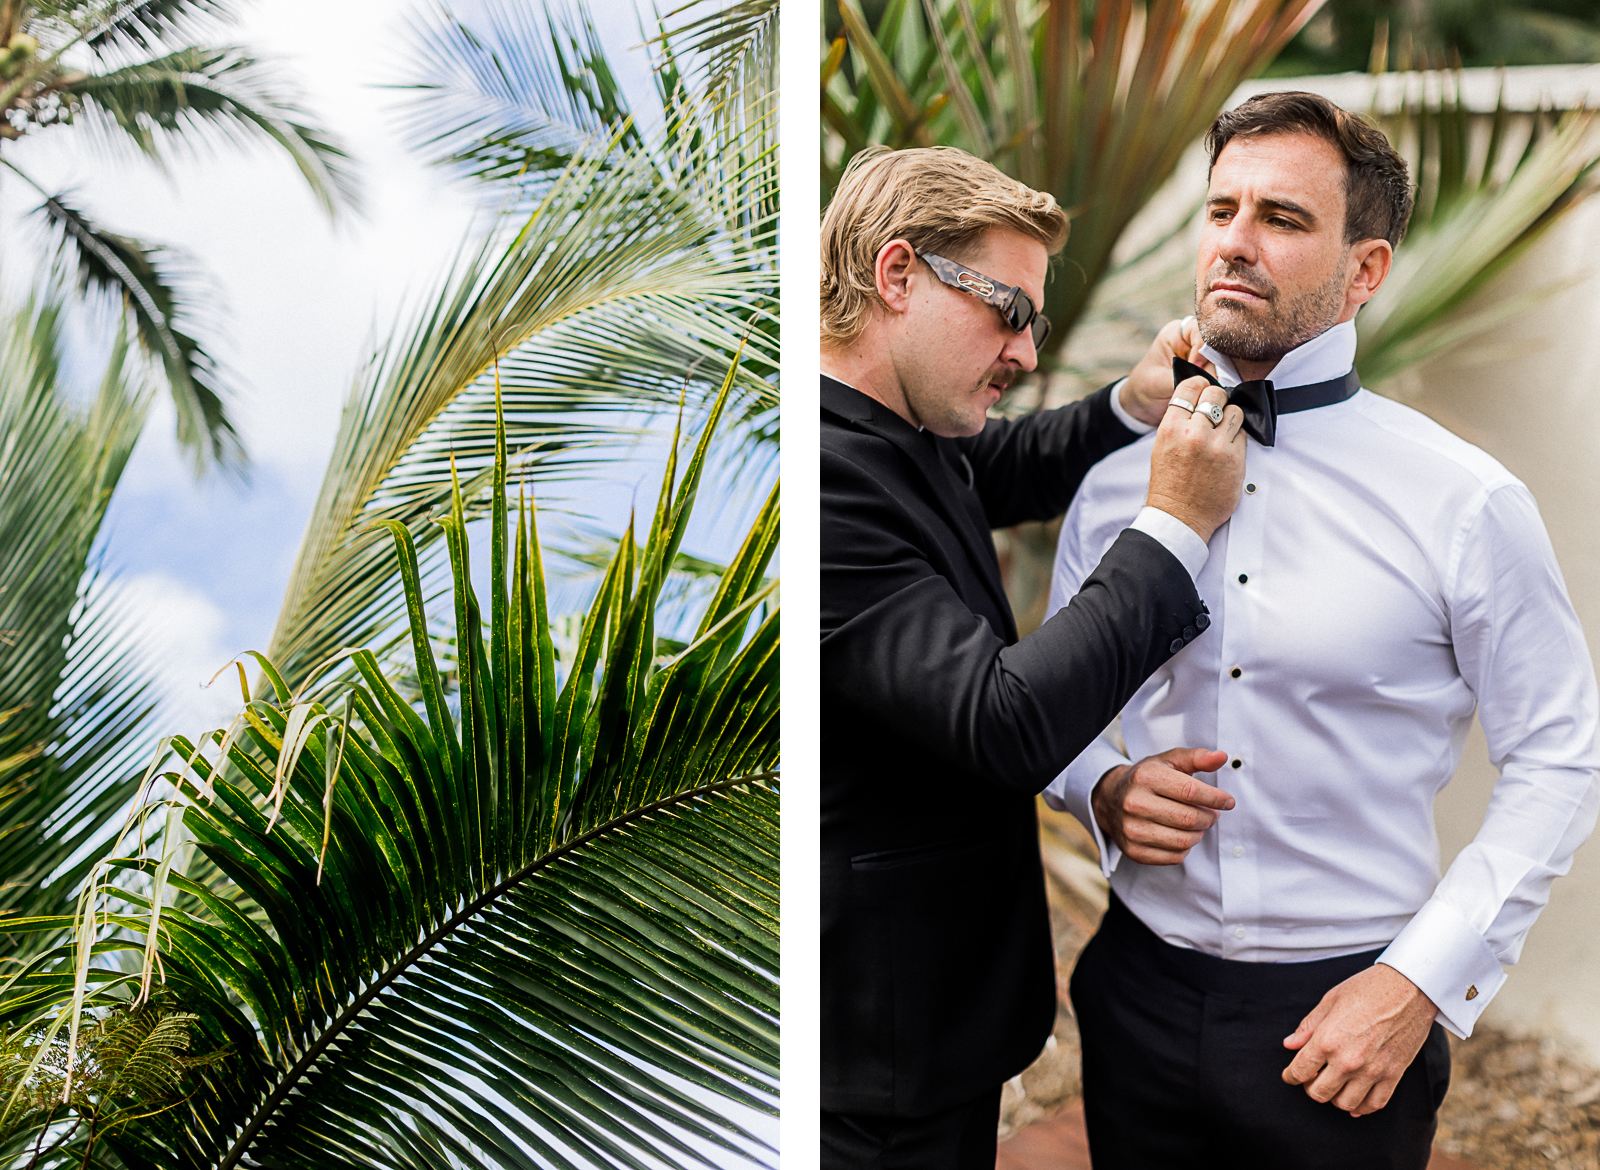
[{"x": 1015, "y": 306}]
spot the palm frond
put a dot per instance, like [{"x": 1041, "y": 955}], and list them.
[
  {"x": 219, "y": 96},
  {"x": 147, "y": 283},
  {"x": 73, "y": 695},
  {"x": 141, "y": 25},
  {"x": 620, "y": 292},
  {"x": 1478, "y": 210},
  {"x": 735, "y": 44},
  {"x": 512, "y": 93},
  {"x": 540, "y": 930}
]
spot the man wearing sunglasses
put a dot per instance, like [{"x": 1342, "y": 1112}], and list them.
[{"x": 939, "y": 725}]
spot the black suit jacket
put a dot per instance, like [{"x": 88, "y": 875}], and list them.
[{"x": 939, "y": 728}]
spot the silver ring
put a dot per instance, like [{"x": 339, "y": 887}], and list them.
[
  {"x": 1183, "y": 402},
  {"x": 1213, "y": 412}
]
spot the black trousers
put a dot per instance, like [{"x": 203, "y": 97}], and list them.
[
  {"x": 959, "y": 1138},
  {"x": 1183, "y": 1060}
]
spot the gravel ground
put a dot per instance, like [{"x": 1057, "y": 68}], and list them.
[{"x": 1514, "y": 1103}]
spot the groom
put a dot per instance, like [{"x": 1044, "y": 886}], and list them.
[{"x": 1272, "y": 983}]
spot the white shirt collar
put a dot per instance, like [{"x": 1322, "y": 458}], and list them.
[{"x": 1325, "y": 356}]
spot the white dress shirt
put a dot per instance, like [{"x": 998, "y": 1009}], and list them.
[{"x": 1380, "y": 580}]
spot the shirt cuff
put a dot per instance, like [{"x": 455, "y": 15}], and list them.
[
  {"x": 1137, "y": 426},
  {"x": 1448, "y": 960},
  {"x": 1175, "y": 536},
  {"x": 1072, "y": 789}
]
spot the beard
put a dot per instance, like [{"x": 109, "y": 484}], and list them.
[{"x": 1277, "y": 326}]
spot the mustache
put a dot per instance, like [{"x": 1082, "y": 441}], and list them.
[{"x": 1242, "y": 277}]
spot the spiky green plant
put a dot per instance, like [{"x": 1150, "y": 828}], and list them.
[{"x": 537, "y": 926}]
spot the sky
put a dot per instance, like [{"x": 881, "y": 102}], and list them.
[{"x": 205, "y": 562}]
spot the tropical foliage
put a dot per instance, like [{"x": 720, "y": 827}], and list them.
[
  {"x": 538, "y": 923},
  {"x": 630, "y": 266},
  {"x": 515, "y": 903},
  {"x": 72, "y": 695},
  {"x": 143, "y": 77}
]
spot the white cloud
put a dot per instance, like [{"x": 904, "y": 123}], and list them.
[{"x": 181, "y": 631}]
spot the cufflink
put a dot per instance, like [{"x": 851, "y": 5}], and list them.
[{"x": 1472, "y": 992}]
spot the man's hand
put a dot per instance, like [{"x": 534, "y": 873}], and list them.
[
  {"x": 1157, "y": 810},
  {"x": 1357, "y": 1042},
  {"x": 1197, "y": 467},
  {"x": 1149, "y": 385}
]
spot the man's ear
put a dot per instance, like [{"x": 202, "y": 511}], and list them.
[
  {"x": 1371, "y": 260},
  {"x": 896, "y": 261}
]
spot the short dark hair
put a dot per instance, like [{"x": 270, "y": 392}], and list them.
[{"x": 1377, "y": 183}]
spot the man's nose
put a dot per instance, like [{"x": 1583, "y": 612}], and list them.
[
  {"x": 1020, "y": 349},
  {"x": 1238, "y": 240}
]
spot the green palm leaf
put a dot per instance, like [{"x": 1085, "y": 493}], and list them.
[
  {"x": 88, "y": 69},
  {"x": 73, "y": 698},
  {"x": 541, "y": 930},
  {"x": 135, "y": 25},
  {"x": 511, "y": 93},
  {"x": 192, "y": 94},
  {"x": 154, "y": 288},
  {"x": 617, "y": 293},
  {"x": 1477, "y": 213}
]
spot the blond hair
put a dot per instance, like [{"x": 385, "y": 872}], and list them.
[{"x": 938, "y": 199}]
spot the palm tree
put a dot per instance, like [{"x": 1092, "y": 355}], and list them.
[
  {"x": 628, "y": 269},
  {"x": 540, "y": 925},
  {"x": 128, "y": 77}
]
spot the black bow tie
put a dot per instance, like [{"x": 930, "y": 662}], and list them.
[{"x": 1262, "y": 404}]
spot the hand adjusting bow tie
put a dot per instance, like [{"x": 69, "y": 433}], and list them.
[
  {"x": 1262, "y": 403},
  {"x": 1256, "y": 399}
]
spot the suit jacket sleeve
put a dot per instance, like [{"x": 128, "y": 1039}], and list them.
[
  {"x": 1029, "y": 468},
  {"x": 904, "y": 650}
]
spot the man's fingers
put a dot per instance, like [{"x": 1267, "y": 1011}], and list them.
[
  {"x": 1307, "y": 1026},
  {"x": 1172, "y": 814},
  {"x": 1377, "y": 1097},
  {"x": 1304, "y": 1067},
  {"x": 1187, "y": 789},
  {"x": 1194, "y": 759},
  {"x": 1154, "y": 835},
  {"x": 1232, "y": 422},
  {"x": 1146, "y": 855},
  {"x": 1354, "y": 1092},
  {"x": 1326, "y": 1085}
]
